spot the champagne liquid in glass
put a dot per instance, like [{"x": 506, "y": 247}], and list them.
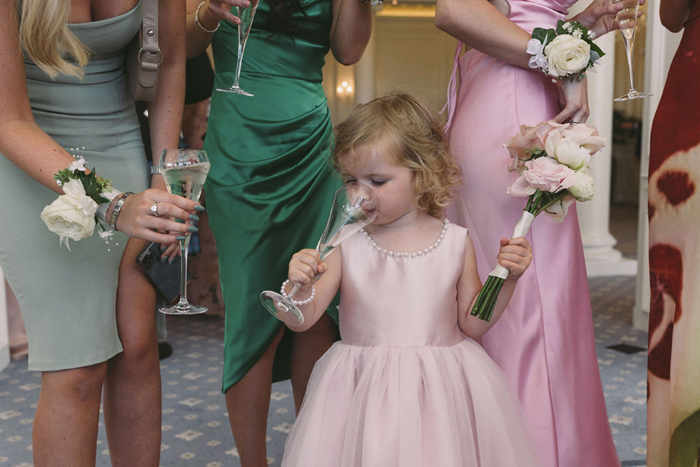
[
  {"x": 326, "y": 247},
  {"x": 246, "y": 16},
  {"x": 187, "y": 181}
]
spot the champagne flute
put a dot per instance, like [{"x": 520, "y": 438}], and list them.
[
  {"x": 627, "y": 19},
  {"x": 246, "y": 16},
  {"x": 184, "y": 171},
  {"x": 349, "y": 213}
]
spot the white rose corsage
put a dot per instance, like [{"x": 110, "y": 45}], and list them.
[
  {"x": 565, "y": 52},
  {"x": 74, "y": 214}
]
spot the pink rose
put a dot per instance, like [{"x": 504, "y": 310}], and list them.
[
  {"x": 580, "y": 133},
  {"x": 529, "y": 138},
  {"x": 558, "y": 210},
  {"x": 546, "y": 174},
  {"x": 521, "y": 187}
]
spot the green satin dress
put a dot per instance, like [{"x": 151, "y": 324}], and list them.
[{"x": 271, "y": 182}]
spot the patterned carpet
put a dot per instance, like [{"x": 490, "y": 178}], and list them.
[{"x": 195, "y": 424}]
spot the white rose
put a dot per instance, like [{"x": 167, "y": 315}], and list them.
[
  {"x": 572, "y": 154},
  {"x": 72, "y": 215},
  {"x": 583, "y": 187},
  {"x": 75, "y": 192},
  {"x": 567, "y": 55}
]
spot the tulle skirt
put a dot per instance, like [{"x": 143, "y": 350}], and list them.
[{"x": 425, "y": 406}]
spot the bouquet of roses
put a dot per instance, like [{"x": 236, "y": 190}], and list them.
[
  {"x": 74, "y": 214},
  {"x": 553, "y": 161}
]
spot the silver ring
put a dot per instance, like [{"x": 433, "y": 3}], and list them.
[
  {"x": 154, "y": 209},
  {"x": 573, "y": 122}
]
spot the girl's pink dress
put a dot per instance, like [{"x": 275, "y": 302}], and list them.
[
  {"x": 404, "y": 387},
  {"x": 544, "y": 341}
]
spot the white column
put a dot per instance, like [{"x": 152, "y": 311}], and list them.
[
  {"x": 602, "y": 259},
  {"x": 364, "y": 72},
  {"x": 4, "y": 327},
  {"x": 660, "y": 49}
]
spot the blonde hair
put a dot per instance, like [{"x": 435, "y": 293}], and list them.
[
  {"x": 414, "y": 138},
  {"x": 47, "y": 40}
]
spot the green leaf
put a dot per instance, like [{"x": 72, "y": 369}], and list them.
[
  {"x": 560, "y": 27},
  {"x": 596, "y": 49},
  {"x": 540, "y": 34}
]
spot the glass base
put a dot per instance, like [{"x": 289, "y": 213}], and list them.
[
  {"x": 632, "y": 95},
  {"x": 282, "y": 308},
  {"x": 183, "y": 308},
  {"x": 235, "y": 89}
]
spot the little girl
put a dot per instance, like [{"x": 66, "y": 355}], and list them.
[{"x": 407, "y": 385}]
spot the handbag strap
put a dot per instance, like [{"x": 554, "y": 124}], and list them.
[{"x": 149, "y": 56}]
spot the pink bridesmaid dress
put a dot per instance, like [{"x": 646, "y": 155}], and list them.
[
  {"x": 404, "y": 387},
  {"x": 544, "y": 341}
]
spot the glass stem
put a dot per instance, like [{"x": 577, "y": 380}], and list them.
[
  {"x": 630, "y": 63},
  {"x": 294, "y": 291},
  {"x": 183, "y": 271},
  {"x": 239, "y": 61}
]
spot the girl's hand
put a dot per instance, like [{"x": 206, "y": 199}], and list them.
[
  {"x": 599, "y": 16},
  {"x": 221, "y": 10},
  {"x": 305, "y": 266},
  {"x": 137, "y": 220},
  {"x": 515, "y": 255},
  {"x": 573, "y": 98}
]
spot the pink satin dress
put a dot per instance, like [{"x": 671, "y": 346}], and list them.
[
  {"x": 544, "y": 341},
  {"x": 405, "y": 387}
]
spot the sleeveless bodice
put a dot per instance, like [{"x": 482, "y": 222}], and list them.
[
  {"x": 62, "y": 104},
  {"x": 401, "y": 301}
]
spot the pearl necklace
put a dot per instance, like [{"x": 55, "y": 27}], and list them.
[{"x": 408, "y": 255}]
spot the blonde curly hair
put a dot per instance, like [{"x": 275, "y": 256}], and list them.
[{"x": 414, "y": 138}]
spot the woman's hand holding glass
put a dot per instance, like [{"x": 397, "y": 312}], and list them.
[
  {"x": 138, "y": 219},
  {"x": 599, "y": 16},
  {"x": 221, "y": 11}
]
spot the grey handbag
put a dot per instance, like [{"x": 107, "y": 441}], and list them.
[{"x": 143, "y": 57}]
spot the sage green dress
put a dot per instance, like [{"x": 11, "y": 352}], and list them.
[
  {"x": 271, "y": 182},
  {"x": 67, "y": 297}
]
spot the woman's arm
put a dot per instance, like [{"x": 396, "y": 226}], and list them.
[
  {"x": 165, "y": 111},
  {"x": 350, "y": 30},
  {"x": 303, "y": 267},
  {"x": 209, "y": 16},
  {"x": 674, "y": 13},
  {"x": 22, "y": 142},
  {"x": 480, "y": 25}
]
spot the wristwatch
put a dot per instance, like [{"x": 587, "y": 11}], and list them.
[{"x": 155, "y": 170}]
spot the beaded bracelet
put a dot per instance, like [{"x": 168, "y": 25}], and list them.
[
  {"x": 201, "y": 26},
  {"x": 283, "y": 292},
  {"x": 117, "y": 209}
]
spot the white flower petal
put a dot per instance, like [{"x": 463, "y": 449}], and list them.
[{"x": 534, "y": 47}]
